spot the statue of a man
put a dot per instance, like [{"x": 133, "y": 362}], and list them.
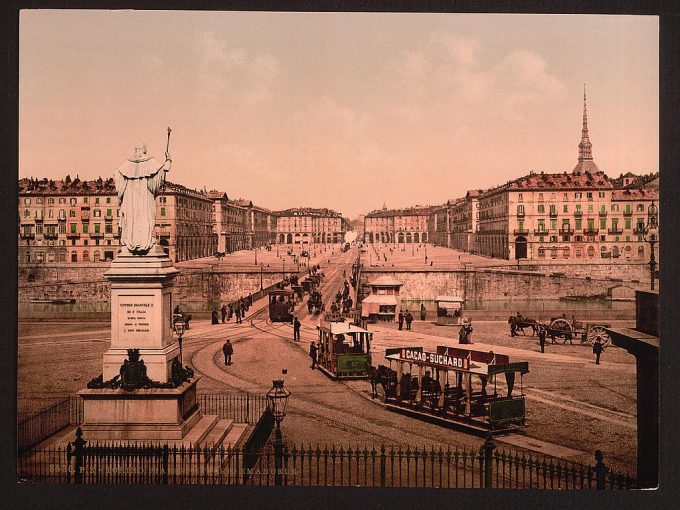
[{"x": 138, "y": 182}]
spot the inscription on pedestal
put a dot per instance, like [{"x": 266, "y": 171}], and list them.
[{"x": 135, "y": 316}]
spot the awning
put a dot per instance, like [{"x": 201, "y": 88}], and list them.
[{"x": 380, "y": 299}]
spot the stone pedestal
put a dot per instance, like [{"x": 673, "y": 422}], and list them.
[
  {"x": 140, "y": 415},
  {"x": 141, "y": 318},
  {"x": 141, "y": 313}
]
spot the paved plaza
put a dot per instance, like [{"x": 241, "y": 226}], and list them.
[{"x": 573, "y": 406}]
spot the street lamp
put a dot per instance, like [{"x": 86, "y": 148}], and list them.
[
  {"x": 277, "y": 399},
  {"x": 178, "y": 330},
  {"x": 652, "y": 236},
  {"x": 261, "y": 269},
  {"x": 255, "y": 250}
]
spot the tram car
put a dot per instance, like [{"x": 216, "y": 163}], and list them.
[
  {"x": 344, "y": 350},
  {"x": 281, "y": 305},
  {"x": 468, "y": 389}
]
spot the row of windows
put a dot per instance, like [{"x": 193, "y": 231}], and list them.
[
  {"x": 603, "y": 208},
  {"x": 566, "y": 224},
  {"x": 62, "y": 200},
  {"x": 565, "y": 196}
]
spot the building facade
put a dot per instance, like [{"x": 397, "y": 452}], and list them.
[
  {"x": 77, "y": 221},
  {"x": 310, "y": 226},
  {"x": 398, "y": 225}
]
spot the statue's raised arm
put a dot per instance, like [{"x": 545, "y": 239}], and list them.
[{"x": 138, "y": 182}]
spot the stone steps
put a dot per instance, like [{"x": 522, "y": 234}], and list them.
[
  {"x": 199, "y": 431},
  {"x": 216, "y": 436}
]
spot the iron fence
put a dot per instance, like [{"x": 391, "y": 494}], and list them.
[
  {"x": 241, "y": 407},
  {"x": 37, "y": 428},
  {"x": 327, "y": 466}
]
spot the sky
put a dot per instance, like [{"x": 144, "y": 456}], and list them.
[{"x": 339, "y": 110}]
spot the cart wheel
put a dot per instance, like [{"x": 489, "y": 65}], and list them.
[
  {"x": 564, "y": 328},
  {"x": 598, "y": 332}
]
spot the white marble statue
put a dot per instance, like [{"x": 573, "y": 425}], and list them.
[{"x": 138, "y": 182}]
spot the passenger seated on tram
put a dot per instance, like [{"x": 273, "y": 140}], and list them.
[
  {"x": 414, "y": 387},
  {"x": 339, "y": 346},
  {"x": 427, "y": 382}
]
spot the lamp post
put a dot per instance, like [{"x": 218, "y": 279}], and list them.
[
  {"x": 277, "y": 399},
  {"x": 652, "y": 237},
  {"x": 261, "y": 269},
  {"x": 255, "y": 250},
  {"x": 178, "y": 329}
]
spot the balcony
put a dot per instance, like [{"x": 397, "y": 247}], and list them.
[
  {"x": 520, "y": 232},
  {"x": 85, "y": 215},
  {"x": 27, "y": 235},
  {"x": 603, "y": 214},
  {"x": 73, "y": 235},
  {"x": 98, "y": 235},
  {"x": 553, "y": 214},
  {"x": 578, "y": 214},
  {"x": 520, "y": 214},
  {"x": 639, "y": 231},
  {"x": 615, "y": 231},
  {"x": 51, "y": 235},
  {"x": 39, "y": 218},
  {"x": 541, "y": 232},
  {"x": 568, "y": 231},
  {"x": 627, "y": 213},
  {"x": 591, "y": 231}
]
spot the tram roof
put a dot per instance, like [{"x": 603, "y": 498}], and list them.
[{"x": 341, "y": 328}]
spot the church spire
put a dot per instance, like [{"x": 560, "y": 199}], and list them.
[{"x": 585, "y": 153}]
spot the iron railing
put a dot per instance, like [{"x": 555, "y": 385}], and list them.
[
  {"x": 327, "y": 466},
  {"x": 240, "y": 407},
  {"x": 32, "y": 431}
]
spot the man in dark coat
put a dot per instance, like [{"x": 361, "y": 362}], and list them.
[
  {"x": 224, "y": 313},
  {"x": 228, "y": 350},
  {"x": 296, "y": 329},
  {"x": 597, "y": 350},
  {"x": 401, "y": 320},
  {"x": 214, "y": 318},
  {"x": 409, "y": 320},
  {"x": 541, "y": 338},
  {"x": 238, "y": 314},
  {"x": 312, "y": 354},
  {"x": 423, "y": 312}
]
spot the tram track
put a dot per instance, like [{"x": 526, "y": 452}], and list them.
[{"x": 337, "y": 418}]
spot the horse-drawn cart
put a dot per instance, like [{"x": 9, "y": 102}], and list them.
[{"x": 562, "y": 329}]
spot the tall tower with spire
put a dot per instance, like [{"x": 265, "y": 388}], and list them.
[{"x": 585, "y": 153}]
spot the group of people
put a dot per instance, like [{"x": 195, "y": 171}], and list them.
[
  {"x": 237, "y": 308},
  {"x": 405, "y": 317}
]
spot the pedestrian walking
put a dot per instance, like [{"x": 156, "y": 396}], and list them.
[
  {"x": 409, "y": 320},
  {"x": 230, "y": 311},
  {"x": 312, "y": 354},
  {"x": 401, "y": 320},
  {"x": 238, "y": 315},
  {"x": 296, "y": 329},
  {"x": 541, "y": 338},
  {"x": 243, "y": 310},
  {"x": 597, "y": 350},
  {"x": 224, "y": 313},
  {"x": 228, "y": 350},
  {"x": 214, "y": 318},
  {"x": 423, "y": 312}
]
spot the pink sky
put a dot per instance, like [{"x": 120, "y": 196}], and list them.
[{"x": 339, "y": 110}]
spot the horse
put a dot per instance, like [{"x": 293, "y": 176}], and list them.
[
  {"x": 517, "y": 325},
  {"x": 382, "y": 375}
]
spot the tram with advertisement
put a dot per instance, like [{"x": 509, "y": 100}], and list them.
[
  {"x": 473, "y": 390},
  {"x": 344, "y": 350},
  {"x": 281, "y": 305}
]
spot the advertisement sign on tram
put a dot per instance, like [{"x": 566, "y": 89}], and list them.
[{"x": 435, "y": 359}]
